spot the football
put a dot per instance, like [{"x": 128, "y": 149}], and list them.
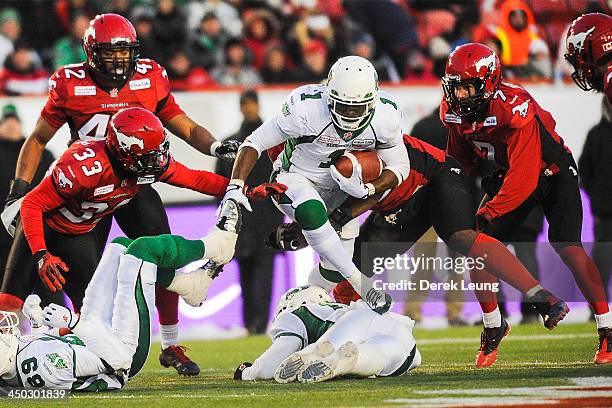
[{"x": 371, "y": 165}]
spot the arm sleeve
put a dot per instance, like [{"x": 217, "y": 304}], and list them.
[
  {"x": 42, "y": 199},
  {"x": 266, "y": 136},
  {"x": 524, "y": 158},
  {"x": 461, "y": 150},
  {"x": 585, "y": 163},
  {"x": 201, "y": 181},
  {"x": 264, "y": 367},
  {"x": 396, "y": 159}
]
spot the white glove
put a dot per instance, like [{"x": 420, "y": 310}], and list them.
[
  {"x": 353, "y": 185},
  {"x": 32, "y": 310},
  {"x": 235, "y": 190},
  {"x": 60, "y": 317}
]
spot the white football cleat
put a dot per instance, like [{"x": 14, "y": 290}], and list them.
[
  {"x": 335, "y": 364},
  {"x": 288, "y": 370},
  {"x": 192, "y": 287}
]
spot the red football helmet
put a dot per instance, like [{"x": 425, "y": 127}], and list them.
[
  {"x": 471, "y": 64},
  {"x": 111, "y": 32},
  {"x": 139, "y": 142},
  {"x": 589, "y": 44}
]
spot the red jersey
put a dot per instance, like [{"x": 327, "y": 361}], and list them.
[
  {"x": 83, "y": 187},
  {"x": 76, "y": 99},
  {"x": 608, "y": 83},
  {"x": 515, "y": 132},
  {"x": 425, "y": 162}
]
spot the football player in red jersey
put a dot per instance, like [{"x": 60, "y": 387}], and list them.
[
  {"x": 589, "y": 50},
  {"x": 91, "y": 180},
  {"x": 435, "y": 194},
  {"x": 85, "y": 96},
  {"x": 492, "y": 119}
]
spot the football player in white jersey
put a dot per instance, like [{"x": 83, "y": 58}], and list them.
[
  {"x": 315, "y": 339},
  {"x": 109, "y": 342},
  {"x": 317, "y": 124}
]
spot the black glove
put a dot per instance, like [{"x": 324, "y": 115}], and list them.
[
  {"x": 240, "y": 369},
  {"x": 18, "y": 189},
  {"x": 492, "y": 183},
  {"x": 481, "y": 223},
  {"x": 225, "y": 150},
  {"x": 287, "y": 237},
  {"x": 340, "y": 217}
]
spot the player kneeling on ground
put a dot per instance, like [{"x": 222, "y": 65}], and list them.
[
  {"x": 109, "y": 342},
  {"x": 316, "y": 340}
]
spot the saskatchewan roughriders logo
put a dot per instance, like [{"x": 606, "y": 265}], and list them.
[{"x": 57, "y": 360}]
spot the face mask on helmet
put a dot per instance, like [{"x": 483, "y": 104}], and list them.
[
  {"x": 349, "y": 116},
  {"x": 153, "y": 163},
  {"x": 9, "y": 332},
  {"x": 115, "y": 61},
  {"x": 465, "y": 97}
]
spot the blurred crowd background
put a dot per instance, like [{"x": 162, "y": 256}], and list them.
[{"x": 210, "y": 43}]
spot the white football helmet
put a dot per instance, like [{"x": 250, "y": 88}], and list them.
[
  {"x": 352, "y": 92},
  {"x": 9, "y": 331},
  {"x": 302, "y": 294}
]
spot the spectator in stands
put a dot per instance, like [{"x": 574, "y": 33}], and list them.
[
  {"x": 259, "y": 33},
  {"x": 10, "y": 31},
  {"x": 390, "y": 25},
  {"x": 169, "y": 29},
  {"x": 226, "y": 13},
  {"x": 595, "y": 169},
  {"x": 144, "y": 31},
  {"x": 23, "y": 74},
  {"x": 314, "y": 27},
  {"x": 66, "y": 10},
  {"x": 185, "y": 77},
  {"x": 69, "y": 49},
  {"x": 364, "y": 46},
  {"x": 236, "y": 69},
  {"x": 255, "y": 259},
  {"x": 209, "y": 41},
  {"x": 523, "y": 53},
  {"x": 316, "y": 67},
  {"x": 275, "y": 69},
  {"x": 121, "y": 7}
]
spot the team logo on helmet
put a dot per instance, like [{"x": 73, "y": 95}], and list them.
[
  {"x": 126, "y": 142},
  {"x": 577, "y": 40},
  {"x": 488, "y": 62}
]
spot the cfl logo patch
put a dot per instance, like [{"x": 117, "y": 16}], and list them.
[
  {"x": 607, "y": 46},
  {"x": 455, "y": 170}
]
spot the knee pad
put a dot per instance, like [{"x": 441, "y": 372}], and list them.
[{"x": 311, "y": 214}]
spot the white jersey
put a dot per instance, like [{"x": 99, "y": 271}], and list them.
[
  {"x": 308, "y": 322},
  {"x": 61, "y": 363},
  {"x": 313, "y": 143}
]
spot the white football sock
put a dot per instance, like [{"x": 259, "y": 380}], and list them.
[
  {"x": 603, "y": 320},
  {"x": 492, "y": 319},
  {"x": 169, "y": 335},
  {"x": 326, "y": 242}
]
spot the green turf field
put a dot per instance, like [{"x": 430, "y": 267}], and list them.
[{"x": 530, "y": 357}]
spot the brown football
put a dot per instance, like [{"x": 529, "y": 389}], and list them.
[{"x": 371, "y": 165}]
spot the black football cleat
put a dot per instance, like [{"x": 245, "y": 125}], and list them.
[
  {"x": 489, "y": 342},
  {"x": 174, "y": 356},
  {"x": 552, "y": 309}
]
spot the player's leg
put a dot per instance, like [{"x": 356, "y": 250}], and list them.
[
  {"x": 18, "y": 277},
  {"x": 602, "y": 255},
  {"x": 563, "y": 210},
  {"x": 302, "y": 203},
  {"x": 145, "y": 215}
]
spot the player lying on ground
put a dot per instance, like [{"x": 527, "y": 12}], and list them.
[
  {"x": 319, "y": 123},
  {"x": 85, "y": 96},
  {"x": 109, "y": 342},
  {"x": 436, "y": 193},
  {"x": 314, "y": 340},
  {"x": 489, "y": 118}
]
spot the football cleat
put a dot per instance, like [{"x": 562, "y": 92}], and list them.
[
  {"x": 604, "y": 351},
  {"x": 552, "y": 309},
  {"x": 174, "y": 356},
  {"x": 337, "y": 363},
  {"x": 489, "y": 342},
  {"x": 288, "y": 370}
]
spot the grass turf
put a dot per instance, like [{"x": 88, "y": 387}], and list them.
[{"x": 530, "y": 356}]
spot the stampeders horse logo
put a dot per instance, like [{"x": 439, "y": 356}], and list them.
[
  {"x": 522, "y": 108},
  {"x": 62, "y": 180},
  {"x": 488, "y": 62},
  {"x": 126, "y": 142},
  {"x": 577, "y": 40}
]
